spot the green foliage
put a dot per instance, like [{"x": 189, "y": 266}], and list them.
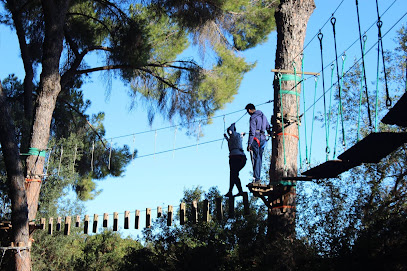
[{"x": 103, "y": 251}]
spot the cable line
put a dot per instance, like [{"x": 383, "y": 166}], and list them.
[{"x": 363, "y": 65}]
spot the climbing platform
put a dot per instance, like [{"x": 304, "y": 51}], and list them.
[
  {"x": 398, "y": 114},
  {"x": 374, "y": 147},
  {"x": 329, "y": 169},
  {"x": 260, "y": 189}
]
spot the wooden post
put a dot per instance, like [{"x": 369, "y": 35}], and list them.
[
  {"x": 105, "y": 220},
  {"x": 219, "y": 209},
  {"x": 246, "y": 203},
  {"x": 95, "y": 223},
  {"x": 86, "y": 224},
  {"x": 182, "y": 213},
  {"x": 206, "y": 214},
  {"x": 137, "y": 220},
  {"x": 148, "y": 217},
  {"x": 169, "y": 216},
  {"x": 67, "y": 229},
  {"x": 194, "y": 211},
  {"x": 231, "y": 207},
  {"x": 59, "y": 220},
  {"x": 126, "y": 220},
  {"x": 50, "y": 224},
  {"x": 42, "y": 223},
  {"x": 115, "y": 221},
  {"x": 159, "y": 211},
  {"x": 78, "y": 221}
]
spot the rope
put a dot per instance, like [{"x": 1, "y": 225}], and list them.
[
  {"x": 361, "y": 93},
  {"x": 320, "y": 37},
  {"x": 377, "y": 86},
  {"x": 305, "y": 122},
  {"x": 363, "y": 65},
  {"x": 330, "y": 98},
  {"x": 282, "y": 118},
  {"x": 313, "y": 117},
  {"x": 380, "y": 45},
  {"x": 298, "y": 109},
  {"x": 340, "y": 102}
]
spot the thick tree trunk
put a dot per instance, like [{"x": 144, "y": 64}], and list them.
[
  {"x": 15, "y": 178},
  {"x": 291, "y": 18},
  {"x": 25, "y": 194},
  {"x": 50, "y": 87}
]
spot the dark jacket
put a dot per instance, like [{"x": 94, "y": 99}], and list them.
[
  {"x": 234, "y": 141},
  {"x": 258, "y": 126}
]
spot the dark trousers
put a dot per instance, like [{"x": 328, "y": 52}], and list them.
[
  {"x": 236, "y": 163},
  {"x": 257, "y": 158}
]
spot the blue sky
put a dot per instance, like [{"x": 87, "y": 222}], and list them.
[{"x": 159, "y": 180}]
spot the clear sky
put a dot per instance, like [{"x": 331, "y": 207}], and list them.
[{"x": 160, "y": 179}]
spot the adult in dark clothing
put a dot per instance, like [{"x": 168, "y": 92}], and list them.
[
  {"x": 257, "y": 138},
  {"x": 237, "y": 158}
]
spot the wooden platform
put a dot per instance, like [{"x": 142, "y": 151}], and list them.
[
  {"x": 260, "y": 189},
  {"x": 398, "y": 114},
  {"x": 374, "y": 147},
  {"x": 329, "y": 169}
]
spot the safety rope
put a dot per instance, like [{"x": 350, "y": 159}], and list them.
[
  {"x": 305, "y": 122},
  {"x": 380, "y": 45},
  {"x": 282, "y": 117},
  {"x": 330, "y": 99},
  {"x": 298, "y": 109},
  {"x": 320, "y": 37},
  {"x": 313, "y": 117},
  {"x": 377, "y": 87},
  {"x": 361, "y": 93},
  {"x": 340, "y": 101},
  {"x": 363, "y": 65}
]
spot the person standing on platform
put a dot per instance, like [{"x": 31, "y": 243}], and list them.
[
  {"x": 237, "y": 158},
  {"x": 257, "y": 139}
]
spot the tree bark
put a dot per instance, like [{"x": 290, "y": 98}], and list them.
[
  {"x": 50, "y": 87},
  {"x": 291, "y": 18},
  {"x": 24, "y": 195},
  {"x": 15, "y": 179}
]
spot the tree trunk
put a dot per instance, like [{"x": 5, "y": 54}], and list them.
[
  {"x": 24, "y": 194},
  {"x": 291, "y": 18},
  {"x": 15, "y": 179}
]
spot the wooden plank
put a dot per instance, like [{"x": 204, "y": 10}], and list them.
[
  {"x": 50, "y": 224},
  {"x": 182, "y": 213},
  {"x": 329, "y": 169},
  {"x": 219, "y": 209},
  {"x": 115, "y": 221},
  {"x": 231, "y": 207},
  {"x": 78, "y": 221},
  {"x": 206, "y": 214},
  {"x": 105, "y": 220},
  {"x": 86, "y": 224},
  {"x": 374, "y": 147},
  {"x": 137, "y": 219},
  {"x": 126, "y": 220},
  {"x": 59, "y": 221},
  {"x": 398, "y": 114},
  {"x": 292, "y": 72},
  {"x": 159, "y": 211},
  {"x": 169, "y": 215},
  {"x": 42, "y": 223},
  {"x": 67, "y": 229},
  {"x": 194, "y": 212},
  {"x": 95, "y": 223},
  {"x": 246, "y": 203},
  {"x": 148, "y": 217}
]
